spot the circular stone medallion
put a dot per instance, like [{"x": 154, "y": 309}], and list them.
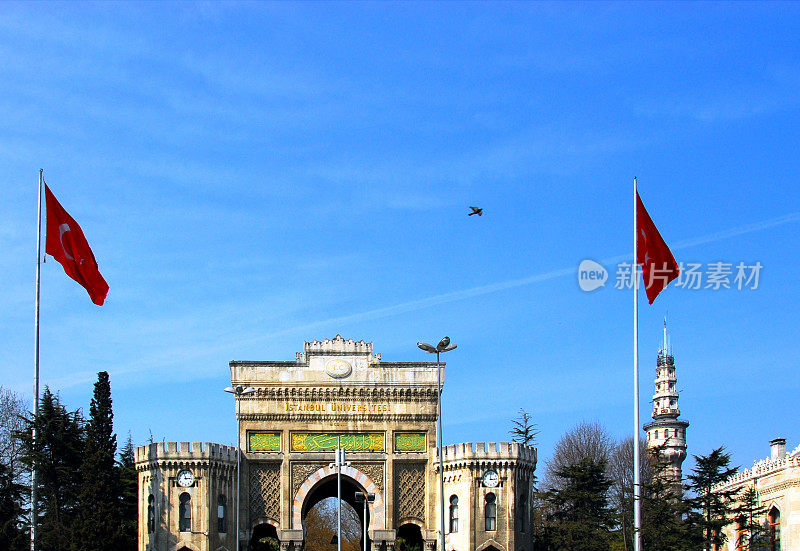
[{"x": 338, "y": 369}]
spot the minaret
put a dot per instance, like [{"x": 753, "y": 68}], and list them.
[{"x": 666, "y": 429}]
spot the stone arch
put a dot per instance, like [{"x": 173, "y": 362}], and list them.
[
  {"x": 412, "y": 520},
  {"x": 183, "y": 546},
  {"x": 378, "y": 508},
  {"x": 265, "y": 520},
  {"x": 774, "y": 505},
  {"x": 489, "y": 544}
]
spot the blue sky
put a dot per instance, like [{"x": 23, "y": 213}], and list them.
[{"x": 253, "y": 175}]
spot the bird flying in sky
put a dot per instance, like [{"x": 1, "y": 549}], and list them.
[{"x": 476, "y": 210}]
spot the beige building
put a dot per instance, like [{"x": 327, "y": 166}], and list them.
[
  {"x": 776, "y": 481},
  {"x": 383, "y": 414}
]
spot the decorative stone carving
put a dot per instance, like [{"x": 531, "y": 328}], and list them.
[
  {"x": 265, "y": 491},
  {"x": 301, "y": 471},
  {"x": 409, "y": 491},
  {"x": 374, "y": 471}
]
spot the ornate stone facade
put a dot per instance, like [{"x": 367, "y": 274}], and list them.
[
  {"x": 491, "y": 484},
  {"x": 776, "y": 481},
  {"x": 176, "y": 514},
  {"x": 383, "y": 414}
]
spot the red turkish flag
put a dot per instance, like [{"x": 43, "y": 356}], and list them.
[
  {"x": 658, "y": 264},
  {"x": 67, "y": 244}
]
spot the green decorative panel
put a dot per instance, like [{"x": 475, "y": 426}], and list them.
[
  {"x": 409, "y": 442},
  {"x": 264, "y": 441},
  {"x": 326, "y": 441}
]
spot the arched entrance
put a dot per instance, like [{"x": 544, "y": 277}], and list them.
[
  {"x": 409, "y": 538},
  {"x": 319, "y": 516},
  {"x": 350, "y": 475},
  {"x": 264, "y": 538}
]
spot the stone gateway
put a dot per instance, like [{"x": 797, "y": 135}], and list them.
[{"x": 383, "y": 414}]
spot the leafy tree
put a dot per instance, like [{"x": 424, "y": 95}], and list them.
[
  {"x": 620, "y": 471},
  {"x": 714, "y": 507},
  {"x": 320, "y": 526},
  {"x": 579, "y": 515},
  {"x": 12, "y": 420},
  {"x": 128, "y": 495},
  {"x": 524, "y": 429},
  {"x": 57, "y": 455},
  {"x": 747, "y": 514},
  {"x": 13, "y": 497},
  {"x": 584, "y": 441},
  {"x": 100, "y": 519}
]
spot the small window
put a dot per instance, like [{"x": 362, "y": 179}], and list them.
[
  {"x": 222, "y": 524},
  {"x": 453, "y": 514},
  {"x": 656, "y": 435},
  {"x": 490, "y": 512},
  {"x": 523, "y": 511},
  {"x": 151, "y": 514},
  {"x": 185, "y": 513}
]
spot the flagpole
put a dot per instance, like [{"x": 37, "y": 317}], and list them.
[
  {"x": 34, "y": 496},
  {"x": 637, "y": 512}
]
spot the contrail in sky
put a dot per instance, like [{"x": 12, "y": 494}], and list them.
[
  {"x": 434, "y": 300},
  {"x": 427, "y": 302}
]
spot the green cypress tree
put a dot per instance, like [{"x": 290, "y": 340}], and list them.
[
  {"x": 747, "y": 514},
  {"x": 664, "y": 509},
  {"x": 99, "y": 521},
  {"x": 57, "y": 456},
  {"x": 12, "y": 534},
  {"x": 714, "y": 508},
  {"x": 580, "y": 518},
  {"x": 128, "y": 496}
]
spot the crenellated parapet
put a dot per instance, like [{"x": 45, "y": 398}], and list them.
[
  {"x": 487, "y": 455},
  {"x": 184, "y": 454},
  {"x": 764, "y": 467},
  {"x": 337, "y": 346}
]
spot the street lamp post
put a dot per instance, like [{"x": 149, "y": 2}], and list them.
[
  {"x": 339, "y": 462},
  {"x": 366, "y": 498},
  {"x": 443, "y": 346},
  {"x": 238, "y": 392}
]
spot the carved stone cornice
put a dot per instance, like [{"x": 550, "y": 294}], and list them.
[
  {"x": 197, "y": 464},
  {"x": 335, "y": 393},
  {"x": 399, "y": 418}
]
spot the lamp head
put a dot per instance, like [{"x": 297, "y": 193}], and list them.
[
  {"x": 426, "y": 347},
  {"x": 445, "y": 346}
]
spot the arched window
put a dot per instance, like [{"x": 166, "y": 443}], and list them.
[
  {"x": 453, "y": 514},
  {"x": 151, "y": 514},
  {"x": 656, "y": 435},
  {"x": 185, "y": 513},
  {"x": 774, "y": 529},
  {"x": 490, "y": 512},
  {"x": 222, "y": 524}
]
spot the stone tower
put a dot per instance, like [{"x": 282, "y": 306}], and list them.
[{"x": 666, "y": 429}]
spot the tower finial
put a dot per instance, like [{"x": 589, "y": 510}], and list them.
[{"x": 665, "y": 335}]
